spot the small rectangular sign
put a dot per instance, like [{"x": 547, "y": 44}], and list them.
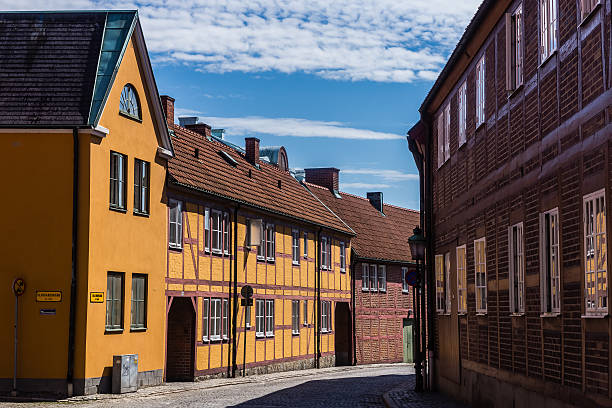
[
  {"x": 96, "y": 297},
  {"x": 246, "y": 302},
  {"x": 47, "y": 312},
  {"x": 48, "y": 296}
]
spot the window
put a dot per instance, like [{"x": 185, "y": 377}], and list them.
[
  {"x": 295, "y": 316},
  {"x": 447, "y": 289},
  {"x": 373, "y": 278},
  {"x": 118, "y": 168},
  {"x": 217, "y": 231},
  {"x": 225, "y": 318},
  {"x": 128, "y": 102},
  {"x": 461, "y": 280},
  {"x": 517, "y": 268},
  {"x": 462, "y": 113},
  {"x": 141, "y": 187},
  {"x": 295, "y": 246},
  {"x": 305, "y": 313},
  {"x": 176, "y": 223},
  {"x": 405, "y": 286},
  {"x": 247, "y": 316},
  {"x": 549, "y": 277},
  {"x": 586, "y": 6},
  {"x": 261, "y": 249},
  {"x": 514, "y": 49},
  {"x": 205, "y": 318},
  {"x": 114, "y": 301},
  {"x": 260, "y": 316},
  {"x": 324, "y": 253},
  {"x": 548, "y": 28},
  {"x": 207, "y": 229},
  {"x": 596, "y": 274},
  {"x": 269, "y": 317},
  {"x": 365, "y": 277},
  {"x": 441, "y": 279},
  {"x": 215, "y": 319},
  {"x": 270, "y": 244},
  {"x": 382, "y": 278},
  {"x": 139, "y": 301},
  {"x": 444, "y": 136},
  {"x": 325, "y": 316},
  {"x": 305, "y": 245},
  {"x": 342, "y": 257},
  {"x": 480, "y": 92},
  {"x": 226, "y": 233},
  {"x": 480, "y": 266}
]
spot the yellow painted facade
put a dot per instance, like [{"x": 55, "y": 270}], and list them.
[
  {"x": 39, "y": 220},
  {"x": 202, "y": 275}
]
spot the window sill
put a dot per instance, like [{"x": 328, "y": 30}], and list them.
[
  {"x": 217, "y": 252},
  {"x": 215, "y": 340},
  {"x": 382, "y": 290},
  {"x": 295, "y": 263},
  {"x": 484, "y": 122},
  {"x": 462, "y": 314},
  {"x": 127, "y": 115},
  {"x": 113, "y": 331},
  {"x": 138, "y": 329},
  {"x": 342, "y": 270},
  {"x": 270, "y": 260},
  {"x": 481, "y": 314},
  {"x": 602, "y": 315},
  {"x": 589, "y": 15},
  {"x": 306, "y": 256},
  {"x": 295, "y": 333},
  {"x": 175, "y": 247},
  {"x": 141, "y": 214},
  {"x": 552, "y": 53},
  {"x": 260, "y": 336},
  {"x": 518, "y": 314},
  {"x": 261, "y": 259},
  {"x": 515, "y": 91},
  {"x": 269, "y": 335},
  {"x": 550, "y": 314},
  {"x": 117, "y": 209},
  {"x": 247, "y": 326}
]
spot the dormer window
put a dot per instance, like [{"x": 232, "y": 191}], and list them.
[{"x": 128, "y": 104}]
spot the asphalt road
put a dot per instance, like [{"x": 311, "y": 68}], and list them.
[{"x": 353, "y": 387}]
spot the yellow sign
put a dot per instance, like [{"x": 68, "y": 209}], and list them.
[
  {"x": 46, "y": 296},
  {"x": 18, "y": 287},
  {"x": 96, "y": 297}
]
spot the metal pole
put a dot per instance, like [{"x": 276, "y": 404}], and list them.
[
  {"x": 418, "y": 363},
  {"x": 14, "y": 392},
  {"x": 246, "y": 308},
  {"x": 424, "y": 361}
]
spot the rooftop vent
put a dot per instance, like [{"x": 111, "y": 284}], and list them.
[
  {"x": 218, "y": 133},
  {"x": 196, "y": 152},
  {"x": 376, "y": 199},
  {"x": 188, "y": 120}
]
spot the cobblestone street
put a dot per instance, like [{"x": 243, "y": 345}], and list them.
[{"x": 361, "y": 386}]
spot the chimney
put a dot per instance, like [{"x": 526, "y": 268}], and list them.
[
  {"x": 323, "y": 176},
  {"x": 376, "y": 199},
  {"x": 168, "y": 106},
  {"x": 252, "y": 149},
  {"x": 201, "y": 128}
]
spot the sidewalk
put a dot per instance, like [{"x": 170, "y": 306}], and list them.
[{"x": 405, "y": 397}]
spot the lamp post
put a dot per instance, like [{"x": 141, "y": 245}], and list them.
[{"x": 417, "y": 244}]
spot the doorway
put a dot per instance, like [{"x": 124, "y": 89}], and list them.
[
  {"x": 180, "y": 340},
  {"x": 343, "y": 334},
  {"x": 407, "y": 341}
]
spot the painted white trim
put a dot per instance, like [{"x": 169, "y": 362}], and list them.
[{"x": 164, "y": 153}]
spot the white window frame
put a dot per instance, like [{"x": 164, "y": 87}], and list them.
[
  {"x": 587, "y": 7},
  {"x": 480, "y": 91},
  {"x": 462, "y": 113},
  {"x": 550, "y": 276},
  {"x": 447, "y": 285},
  {"x": 207, "y": 235},
  {"x": 461, "y": 279},
  {"x": 205, "y": 318},
  {"x": 176, "y": 224},
  {"x": 595, "y": 254},
  {"x": 305, "y": 245},
  {"x": 440, "y": 284},
  {"x": 324, "y": 253},
  {"x": 295, "y": 317},
  {"x": 480, "y": 267},
  {"x": 405, "y": 286},
  {"x": 261, "y": 249},
  {"x": 549, "y": 27},
  {"x": 365, "y": 277},
  {"x": 270, "y": 243},
  {"x": 216, "y": 231},
  {"x": 226, "y": 233},
  {"x": 305, "y": 312},
  {"x": 326, "y": 316},
  {"x": 295, "y": 246},
  {"x": 514, "y": 48},
  {"x": 342, "y": 256},
  {"x": 269, "y": 317},
  {"x": 247, "y": 316},
  {"x": 447, "y": 123},
  {"x": 373, "y": 278},
  {"x": 382, "y": 278},
  {"x": 225, "y": 320},
  {"x": 444, "y": 136},
  {"x": 216, "y": 322},
  {"x": 118, "y": 181},
  {"x": 516, "y": 259},
  {"x": 260, "y": 318},
  {"x": 440, "y": 140}
]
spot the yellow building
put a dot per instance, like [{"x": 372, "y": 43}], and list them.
[
  {"x": 86, "y": 148},
  {"x": 218, "y": 195}
]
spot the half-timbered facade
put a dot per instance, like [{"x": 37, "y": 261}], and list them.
[{"x": 515, "y": 147}]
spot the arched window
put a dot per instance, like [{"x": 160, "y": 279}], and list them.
[{"x": 128, "y": 104}]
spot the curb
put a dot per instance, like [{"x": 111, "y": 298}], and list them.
[{"x": 389, "y": 402}]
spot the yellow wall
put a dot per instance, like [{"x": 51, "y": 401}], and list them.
[
  {"x": 200, "y": 274},
  {"x": 125, "y": 242}
]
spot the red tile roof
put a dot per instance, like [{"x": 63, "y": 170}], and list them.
[
  {"x": 212, "y": 174},
  {"x": 381, "y": 237}
]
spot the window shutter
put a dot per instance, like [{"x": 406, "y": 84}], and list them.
[{"x": 508, "y": 52}]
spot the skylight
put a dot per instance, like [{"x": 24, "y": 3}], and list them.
[{"x": 229, "y": 159}]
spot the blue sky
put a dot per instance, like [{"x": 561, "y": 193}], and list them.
[{"x": 337, "y": 82}]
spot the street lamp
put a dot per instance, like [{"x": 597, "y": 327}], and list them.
[{"x": 417, "y": 244}]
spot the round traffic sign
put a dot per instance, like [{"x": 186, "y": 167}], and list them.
[
  {"x": 18, "y": 286},
  {"x": 246, "y": 291}
]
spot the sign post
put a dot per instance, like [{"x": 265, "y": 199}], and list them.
[
  {"x": 247, "y": 294},
  {"x": 18, "y": 289}
]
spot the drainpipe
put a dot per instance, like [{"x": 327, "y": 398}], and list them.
[
  {"x": 353, "y": 304},
  {"x": 235, "y": 300},
  {"x": 73, "y": 279},
  {"x": 318, "y": 302}
]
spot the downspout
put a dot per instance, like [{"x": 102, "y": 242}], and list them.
[
  {"x": 318, "y": 302},
  {"x": 353, "y": 304},
  {"x": 235, "y": 300},
  {"x": 73, "y": 280}
]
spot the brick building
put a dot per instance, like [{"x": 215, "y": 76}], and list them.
[
  {"x": 515, "y": 146},
  {"x": 299, "y": 270},
  {"x": 380, "y": 261}
]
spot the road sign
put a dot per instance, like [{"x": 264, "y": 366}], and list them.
[
  {"x": 48, "y": 296},
  {"x": 96, "y": 297},
  {"x": 18, "y": 286},
  {"x": 411, "y": 277},
  {"x": 246, "y": 302},
  {"x": 246, "y": 291}
]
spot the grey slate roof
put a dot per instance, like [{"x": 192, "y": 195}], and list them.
[{"x": 49, "y": 62}]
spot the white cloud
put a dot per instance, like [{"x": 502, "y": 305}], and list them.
[
  {"x": 288, "y": 127},
  {"x": 364, "y": 186},
  {"x": 388, "y": 175},
  {"x": 375, "y": 40}
]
